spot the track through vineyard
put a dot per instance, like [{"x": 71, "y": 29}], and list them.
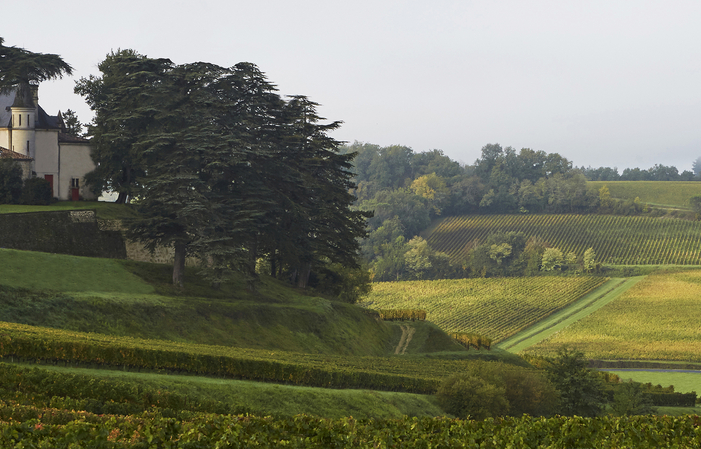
[
  {"x": 579, "y": 309},
  {"x": 615, "y": 239},
  {"x": 496, "y": 308}
]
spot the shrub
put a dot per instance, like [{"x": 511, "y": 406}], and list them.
[
  {"x": 10, "y": 181},
  {"x": 492, "y": 388},
  {"x": 36, "y": 191},
  {"x": 466, "y": 396}
]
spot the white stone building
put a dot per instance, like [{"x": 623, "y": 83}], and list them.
[{"x": 38, "y": 141}]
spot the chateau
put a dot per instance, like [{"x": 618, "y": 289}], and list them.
[{"x": 39, "y": 143}]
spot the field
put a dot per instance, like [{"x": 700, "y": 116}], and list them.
[
  {"x": 657, "y": 319},
  {"x": 673, "y": 194},
  {"x": 495, "y": 308},
  {"x": 615, "y": 239}
]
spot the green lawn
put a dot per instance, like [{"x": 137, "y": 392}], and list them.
[
  {"x": 107, "y": 211},
  {"x": 683, "y": 382},
  {"x": 44, "y": 271}
]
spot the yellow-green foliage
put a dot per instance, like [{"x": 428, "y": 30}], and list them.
[
  {"x": 657, "y": 319},
  {"x": 469, "y": 339},
  {"x": 615, "y": 239},
  {"x": 662, "y": 193},
  {"x": 496, "y": 308}
]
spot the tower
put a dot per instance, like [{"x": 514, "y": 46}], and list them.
[{"x": 24, "y": 115}]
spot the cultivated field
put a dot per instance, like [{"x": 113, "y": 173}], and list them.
[
  {"x": 496, "y": 308},
  {"x": 657, "y": 319},
  {"x": 657, "y": 193},
  {"x": 615, "y": 239}
]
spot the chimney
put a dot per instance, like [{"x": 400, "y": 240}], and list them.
[{"x": 35, "y": 93}]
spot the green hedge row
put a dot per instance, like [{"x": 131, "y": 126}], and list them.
[{"x": 62, "y": 232}]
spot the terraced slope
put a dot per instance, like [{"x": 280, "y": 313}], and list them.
[
  {"x": 496, "y": 308},
  {"x": 616, "y": 239}
]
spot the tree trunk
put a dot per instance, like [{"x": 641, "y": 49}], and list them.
[
  {"x": 179, "y": 265},
  {"x": 273, "y": 267},
  {"x": 122, "y": 198},
  {"x": 304, "y": 272}
]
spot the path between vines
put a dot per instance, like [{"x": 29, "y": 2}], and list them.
[
  {"x": 407, "y": 334},
  {"x": 579, "y": 309}
]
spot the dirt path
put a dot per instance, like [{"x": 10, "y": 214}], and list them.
[
  {"x": 579, "y": 309},
  {"x": 407, "y": 334}
]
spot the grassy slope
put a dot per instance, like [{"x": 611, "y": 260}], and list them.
[
  {"x": 126, "y": 298},
  {"x": 657, "y": 319},
  {"x": 674, "y": 194},
  {"x": 264, "y": 398}
]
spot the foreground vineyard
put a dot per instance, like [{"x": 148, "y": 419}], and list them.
[
  {"x": 496, "y": 308},
  {"x": 22, "y": 426},
  {"x": 657, "y": 319},
  {"x": 615, "y": 239}
]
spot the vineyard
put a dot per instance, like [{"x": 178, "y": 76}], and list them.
[
  {"x": 657, "y": 319},
  {"x": 495, "y": 308},
  {"x": 663, "y": 193},
  {"x": 27, "y": 426},
  {"x": 615, "y": 239}
]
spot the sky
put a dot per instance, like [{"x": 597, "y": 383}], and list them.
[{"x": 603, "y": 83}]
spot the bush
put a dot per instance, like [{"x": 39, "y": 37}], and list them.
[
  {"x": 493, "y": 389},
  {"x": 36, "y": 191},
  {"x": 10, "y": 181},
  {"x": 466, "y": 396}
]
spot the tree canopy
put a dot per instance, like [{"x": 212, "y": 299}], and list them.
[
  {"x": 223, "y": 168},
  {"x": 19, "y": 68}
]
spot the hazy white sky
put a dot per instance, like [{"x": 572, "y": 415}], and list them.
[{"x": 604, "y": 83}]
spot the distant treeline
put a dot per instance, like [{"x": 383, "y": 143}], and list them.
[{"x": 658, "y": 172}]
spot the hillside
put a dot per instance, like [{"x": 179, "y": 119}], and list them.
[
  {"x": 117, "y": 297},
  {"x": 615, "y": 239},
  {"x": 672, "y": 194},
  {"x": 496, "y": 308}
]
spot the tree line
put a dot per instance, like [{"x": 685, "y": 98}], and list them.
[{"x": 658, "y": 172}]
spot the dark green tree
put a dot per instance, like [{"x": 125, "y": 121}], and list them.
[
  {"x": 581, "y": 392},
  {"x": 20, "y": 68},
  {"x": 72, "y": 125},
  {"x": 125, "y": 110},
  {"x": 630, "y": 398}
]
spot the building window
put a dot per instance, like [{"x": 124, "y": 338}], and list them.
[
  {"x": 20, "y": 119},
  {"x": 75, "y": 183}
]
